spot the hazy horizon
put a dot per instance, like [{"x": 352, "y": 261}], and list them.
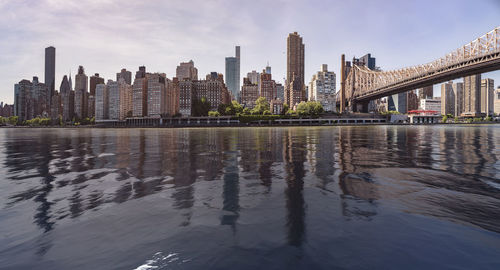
[{"x": 106, "y": 36}]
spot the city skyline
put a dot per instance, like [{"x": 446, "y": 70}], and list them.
[{"x": 213, "y": 37}]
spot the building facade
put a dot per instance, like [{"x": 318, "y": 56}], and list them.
[
  {"x": 322, "y": 88},
  {"x": 487, "y": 96},
  {"x": 497, "y": 101},
  {"x": 233, "y": 73},
  {"x": 126, "y": 75},
  {"x": 458, "y": 92},
  {"x": 81, "y": 93},
  {"x": 447, "y": 99},
  {"x": 431, "y": 104},
  {"x": 267, "y": 86},
  {"x": 101, "y": 102},
  {"x": 472, "y": 95},
  {"x": 50, "y": 71},
  {"x": 249, "y": 93},
  {"x": 398, "y": 102},
  {"x": 140, "y": 93},
  {"x": 295, "y": 88},
  {"x": 120, "y": 99},
  {"x": 186, "y": 70},
  {"x": 157, "y": 95}
]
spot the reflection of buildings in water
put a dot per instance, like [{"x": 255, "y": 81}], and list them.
[
  {"x": 294, "y": 158},
  {"x": 358, "y": 193},
  {"x": 323, "y": 152},
  {"x": 231, "y": 188},
  {"x": 123, "y": 149},
  {"x": 182, "y": 162}
]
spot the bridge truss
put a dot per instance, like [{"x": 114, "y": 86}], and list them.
[{"x": 480, "y": 55}]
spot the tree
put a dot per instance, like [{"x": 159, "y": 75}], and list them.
[
  {"x": 445, "y": 118},
  {"x": 13, "y": 120},
  {"x": 238, "y": 108},
  {"x": 285, "y": 109},
  {"x": 213, "y": 114},
  {"x": 261, "y": 105},
  {"x": 200, "y": 107},
  {"x": 247, "y": 111}
]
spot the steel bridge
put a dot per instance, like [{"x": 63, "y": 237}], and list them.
[{"x": 362, "y": 84}]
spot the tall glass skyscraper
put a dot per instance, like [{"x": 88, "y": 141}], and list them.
[
  {"x": 50, "y": 71},
  {"x": 233, "y": 74}
]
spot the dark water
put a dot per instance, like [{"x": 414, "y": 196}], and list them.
[{"x": 380, "y": 197}]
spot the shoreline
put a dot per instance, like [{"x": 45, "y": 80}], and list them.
[{"x": 251, "y": 125}]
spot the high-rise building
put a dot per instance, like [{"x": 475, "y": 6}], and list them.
[
  {"x": 101, "y": 102},
  {"x": 267, "y": 86},
  {"x": 233, "y": 73},
  {"x": 172, "y": 88},
  {"x": 67, "y": 100},
  {"x": 398, "y": 102},
  {"x": 126, "y": 75},
  {"x": 368, "y": 61},
  {"x": 458, "y": 92},
  {"x": 280, "y": 91},
  {"x": 249, "y": 93},
  {"x": 50, "y": 71},
  {"x": 39, "y": 98},
  {"x": 186, "y": 70},
  {"x": 295, "y": 88},
  {"x": 95, "y": 80},
  {"x": 186, "y": 96},
  {"x": 472, "y": 95},
  {"x": 322, "y": 88},
  {"x": 447, "y": 99},
  {"x": 23, "y": 101},
  {"x": 426, "y": 92},
  {"x": 157, "y": 95},
  {"x": 81, "y": 93},
  {"x": 497, "y": 101},
  {"x": 487, "y": 96},
  {"x": 56, "y": 106},
  {"x": 412, "y": 100},
  {"x": 120, "y": 99},
  {"x": 140, "y": 93}
]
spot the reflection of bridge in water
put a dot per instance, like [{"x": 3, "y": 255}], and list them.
[{"x": 361, "y": 84}]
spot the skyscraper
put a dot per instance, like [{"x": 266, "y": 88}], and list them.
[
  {"x": 472, "y": 95},
  {"x": 447, "y": 99},
  {"x": 140, "y": 93},
  {"x": 67, "y": 99},
  {"x": 157, "y": 95},
  {"x": 322, "y": 88},
  {"x": 50, "y": 71},
  {"x": 295, "y": 91},
  {"x": 94, "y": 81},
  {"x": 233, "y": 73},
  {"x": 101, "y": 102},
  {"x": 487, "y": 96},
  {"x": 458, "y": 91},
  {"x": 267, "y": 87},
  {"x": 81, "y": 93}
]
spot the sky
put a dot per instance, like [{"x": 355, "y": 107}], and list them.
[{"x": 105, "y": 36}]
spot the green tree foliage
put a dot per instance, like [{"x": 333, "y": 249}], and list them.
[
  {"x": 285, "y": 109},
  {"x": 200, "y": 107},
  {"x": 310, "y": 108},
  {"x": 232, "y": 108},
  {"x": 36, "y": 122},
  {"x": 14, "y": 120},
  {"x": 247, "y": 111},
  {"x": 261, "y": 105},
  {"x": 213, "y": 114},
  {"x": 445, "y": 118}
]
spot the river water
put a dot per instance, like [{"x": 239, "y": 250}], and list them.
[{"x": 366, "y": 197}]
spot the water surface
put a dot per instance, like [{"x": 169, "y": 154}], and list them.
[{"x": 373, "y": 197}]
